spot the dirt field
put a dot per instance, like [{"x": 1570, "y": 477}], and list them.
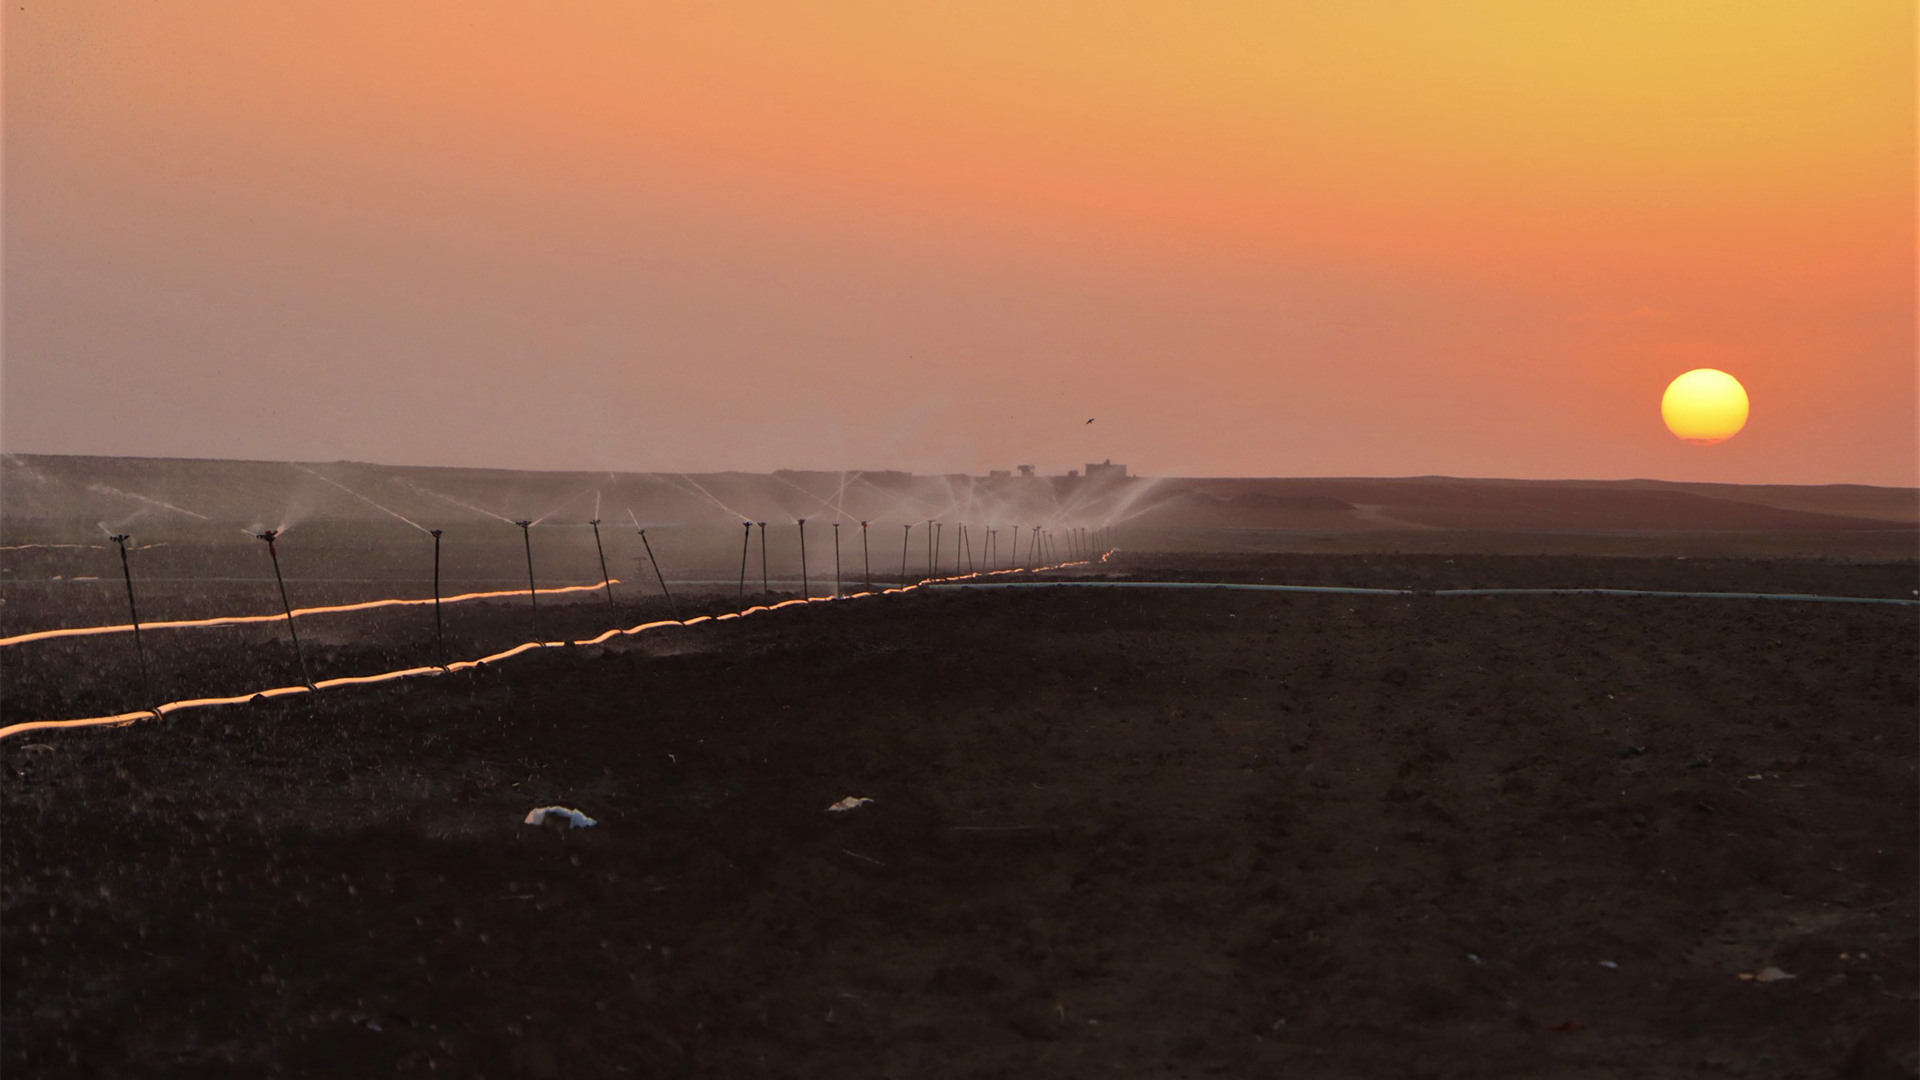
[{"x": 1113, "y": 832}]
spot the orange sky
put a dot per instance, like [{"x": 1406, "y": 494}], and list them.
[{"x": 1273, "y": 238}]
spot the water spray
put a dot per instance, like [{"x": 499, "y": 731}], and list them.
[
  {"x": 806, "y": 586},
  {"x": 439, "y": 625},
  {"x": 746, "y": 538},
  {"x": 671, "y": 606},
  {"x": 602, "y": 552},
  {"x": 274, "y": 554},
  {"x": 139, "y": 650},
  {"x": 764, "y": 587},
  {"x": 533, "y": 595}
]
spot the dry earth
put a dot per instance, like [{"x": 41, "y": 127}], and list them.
[{"x": 1137, "y": 833}]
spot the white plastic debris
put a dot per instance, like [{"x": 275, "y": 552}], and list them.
[
  {"x": 846, "y": 804},
  {"x": 559, "y": 817}
]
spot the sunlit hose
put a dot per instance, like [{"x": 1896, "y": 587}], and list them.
[
  {"x": 238, "y": 620},
  {"x": 464, "y": 665}
]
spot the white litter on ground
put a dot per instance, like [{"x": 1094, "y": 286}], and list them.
[
  {"x": 559, "y": 817},
  {"x": 846, "y": 804}
]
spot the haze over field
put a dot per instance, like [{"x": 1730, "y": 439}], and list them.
[{"x": 1294, "y": 239}]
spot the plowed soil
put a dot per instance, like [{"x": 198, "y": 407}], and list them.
[{"x": 1166, "y": 833}]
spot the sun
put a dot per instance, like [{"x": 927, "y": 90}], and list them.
[{"x": 1704, "y": 406}]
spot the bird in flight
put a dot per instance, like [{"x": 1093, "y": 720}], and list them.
[{"x": 1090, "y": 420}]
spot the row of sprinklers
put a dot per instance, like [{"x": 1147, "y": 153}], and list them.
[{"x": 1042, "y": 546}]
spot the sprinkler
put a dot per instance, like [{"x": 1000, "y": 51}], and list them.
[
  {"x": 836, "y": 558},
  {"x": 933, "y": 567},
  {"x": 439, "y": 625},
  {"x": 866, "y": 555},
  {"x": 745, "y": 539},
  {"x": 806, "y": 586},
  {"x": 908, "y": 531},
  {"x": 929, "y": 547},
  {"x": 602, "y": 552},
  {"x": 533, "y": 595},
  {"x": 139, "y": 650},
  {"x": 966, "y": 540},
  {"x": 273, "y": 553},
  {"x": 763, "y": 558},
  {"x": 671, "y": 606}
]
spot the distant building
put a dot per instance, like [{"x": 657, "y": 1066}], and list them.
[
  {"x": 1106, "y": 470},
  {"x": 1025, "y": 470},
  {"x": 999, "y": 474},
  {"x": 1073, "y": 474}
]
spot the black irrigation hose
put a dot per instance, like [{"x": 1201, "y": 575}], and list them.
[
  {"x": 866, "y": 555},
  {"x": 139, "y": 649},
  {"x": 533, "y": 594},
  {"x": 439, "y": 624},
  {"x": 1343, "y": 590},
  {"x": 746, "y": 538},
  {"x": 604, "y": 576},
  {"x": 671, "y": 606},
  {"x": 298, "y": 656}
]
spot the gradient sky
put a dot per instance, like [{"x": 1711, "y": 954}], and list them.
[{"x": 1350, "y": 237}]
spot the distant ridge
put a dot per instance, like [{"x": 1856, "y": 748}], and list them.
[{"x": 101, "y": 490}]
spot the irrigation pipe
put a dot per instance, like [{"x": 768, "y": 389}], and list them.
[
  {"x": 1343, "y": 590},
  {"x": 962, "y": 581},
  {"x": 122, "y": 719},
  {"x": 237, "y": 620}
]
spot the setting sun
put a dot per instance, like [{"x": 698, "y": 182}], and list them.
[{"x": 1705, "y": 406}]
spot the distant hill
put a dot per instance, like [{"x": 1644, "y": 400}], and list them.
[{"x": 90, "y": 493}]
